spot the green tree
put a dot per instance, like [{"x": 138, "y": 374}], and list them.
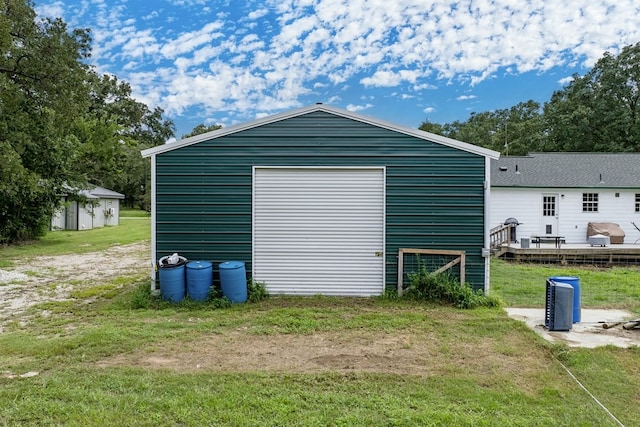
[
  {"x": 62, "y": 125},
  {"x": 112, "y": 133},
  {"x": 200, "y": 129},
  {"x": 514, "y": 131},
  {"x": 41, "y": 94},
  {"x": 599, "y": 111}
]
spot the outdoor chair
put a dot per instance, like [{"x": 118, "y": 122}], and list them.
[{"x": 637, "y": 228}]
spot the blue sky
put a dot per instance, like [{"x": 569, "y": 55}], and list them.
[{"x": 404, "y": 61}]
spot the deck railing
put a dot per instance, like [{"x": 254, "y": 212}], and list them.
[{"x": 500, "y": 235}]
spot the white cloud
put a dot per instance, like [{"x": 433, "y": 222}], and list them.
[
  {"x": 465, "y": 97},
  {"x": 188, "y": 41},
  {"x": 188, "y": 2},
  {"x": 355, "y": 108},
  {"x": 565, "y": 81},
  {"x": 152, "y": 15},
  {"x": 52, "y": 10},
  {"x": 429, "y": 110},
  {"x": 233, "y": 60},
  {"x": 257, "y": 14},
  {"x": 140, "y": 43},
  {"x": 424, "y": 86}
]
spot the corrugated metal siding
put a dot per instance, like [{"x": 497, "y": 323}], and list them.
[
  {"x": 71, "y": 216},
  {"x": 434, "y": 194},
  {"x": 317, "y": 231},
  {"x": 58, "y": 221},
  {"x": 98, "y": 214},
  {"x": 85, "y": 216}
]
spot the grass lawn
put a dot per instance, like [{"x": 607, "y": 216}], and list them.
[
  {"x": 393, "y": 362},
  {"x": 133, "y": 213},
  {"x": 479, "y": 368},
  {"x": 73, "y": 242},
  {"x": 523, "y": 285}
]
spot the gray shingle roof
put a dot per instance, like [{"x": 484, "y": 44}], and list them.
[
  {"x": 567, "y": 170},
  {"x": 105, "y": 193}
]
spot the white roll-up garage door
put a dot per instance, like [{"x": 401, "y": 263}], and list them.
[{"x": 319, "y": 230}]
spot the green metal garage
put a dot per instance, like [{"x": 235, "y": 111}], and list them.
[{"x": 319, "y": 200}]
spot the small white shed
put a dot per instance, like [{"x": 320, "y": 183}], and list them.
[{"x": 102, "y": 207}]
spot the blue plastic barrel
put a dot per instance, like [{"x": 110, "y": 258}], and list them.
[
  {"x": 233, "y": 281},
  {"x": 199, "y": 279},
  {"x": 575, "y": 284},
  {"x": 172, "y": 283}
]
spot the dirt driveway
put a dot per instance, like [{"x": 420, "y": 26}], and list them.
[{"x": 54, "y": 278}]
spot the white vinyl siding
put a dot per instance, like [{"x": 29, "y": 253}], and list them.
[
  {"x": 572, "y": 221},
  {"x": 319, "y": 230}
]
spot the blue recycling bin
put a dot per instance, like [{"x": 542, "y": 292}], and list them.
[{"x": 575, "y": 284}]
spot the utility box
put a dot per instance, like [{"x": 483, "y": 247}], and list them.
[
  {"x": 524, "y": 242},
  {"x": 558, "y": 306}
]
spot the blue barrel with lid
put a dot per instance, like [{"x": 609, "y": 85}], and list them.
[
  {"x": 575, "y": 284},
  {"x": 199, "y": 279},
  {"x": 233, "y": 281}
]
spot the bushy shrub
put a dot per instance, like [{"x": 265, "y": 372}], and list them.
[
  {"x": 446, "y": 289},
  {"x": 256, "y": 291},
  {"x": 141, "y": 297},
  {"x": 216, "y": 300}
]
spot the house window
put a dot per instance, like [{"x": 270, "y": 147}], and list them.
[
  {"x": 549, "y": 206},
  {"x": 589, "y": 202},
  {"x": 637, "y": 202}
]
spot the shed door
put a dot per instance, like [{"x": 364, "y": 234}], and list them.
[{"x": 319, "y": 231}]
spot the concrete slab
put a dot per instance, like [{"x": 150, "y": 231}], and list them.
[{"x": 589, "y": 332}]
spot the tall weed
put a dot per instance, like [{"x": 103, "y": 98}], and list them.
[{"x": 446, "y": 289}]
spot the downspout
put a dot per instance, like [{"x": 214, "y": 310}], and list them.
[
  {"x": 486, "y": 251},
  {"x": 154, "y": 289}
]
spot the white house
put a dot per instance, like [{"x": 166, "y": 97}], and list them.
[
  {"x": 558, "y": 194},
  {"x": 102, "y": 207}
]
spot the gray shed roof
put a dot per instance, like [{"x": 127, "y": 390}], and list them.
[
  {"x": 567, "y": 170},
  {"x": 104, "y": 193},
  {"x": 325, "y": 108},
  {"x": 93, "y": 193},
  {"x": 99, "y": 193}
]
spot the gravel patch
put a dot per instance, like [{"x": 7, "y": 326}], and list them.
[
  {"x": 53, "y": 278},
  {"x": 11, "y": 276}
]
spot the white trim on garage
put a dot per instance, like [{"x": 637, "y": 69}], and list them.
[{"x": 319, "y": 230}]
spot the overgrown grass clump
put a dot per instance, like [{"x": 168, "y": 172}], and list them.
[
  {"x": 445, "y": 289},
  {"x": 143, "y": 298}
]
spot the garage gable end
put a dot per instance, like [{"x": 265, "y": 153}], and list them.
[{"x": 209, "y": 196}]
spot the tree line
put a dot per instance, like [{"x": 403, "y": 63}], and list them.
[
  {"x": 63, "y": 126},
  {"x": 597, "y": 112}
]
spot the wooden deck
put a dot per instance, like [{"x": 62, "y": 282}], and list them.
[{"x": 624, "y": 254}]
